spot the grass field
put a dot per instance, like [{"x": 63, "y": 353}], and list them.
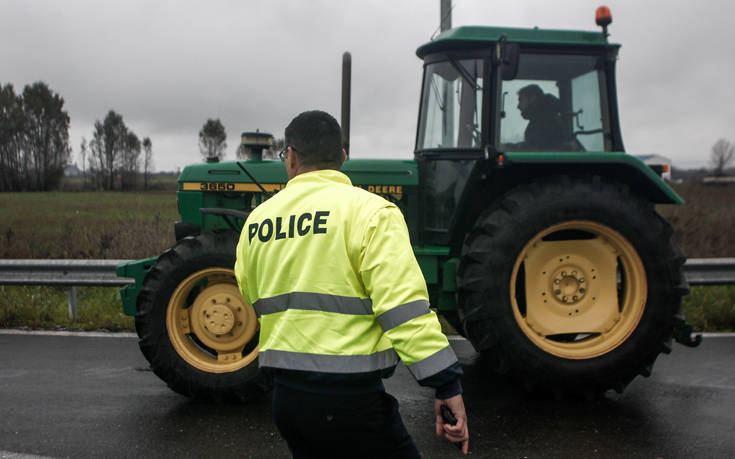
[
  {"x": 86, "y": 224},
  {"x": 703, "y": 227},
  {"x": 47, "y": 307},
  {"x": 138, "y": 225}
]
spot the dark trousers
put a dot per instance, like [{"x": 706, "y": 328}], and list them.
[{"x": 341, "y": 426}]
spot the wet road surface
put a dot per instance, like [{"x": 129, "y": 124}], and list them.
[{"x": 71, "y": 396}]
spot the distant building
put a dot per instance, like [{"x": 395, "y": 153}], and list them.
[
  {"x": 657, "y": 162},
  {"x": 71, "y": 170}
]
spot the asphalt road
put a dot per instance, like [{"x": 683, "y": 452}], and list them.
[{"x": 69, "y": 396}]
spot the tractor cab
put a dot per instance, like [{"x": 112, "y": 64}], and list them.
[
  {"x": 488, "y": 90},
  {"x": 541, "y": 101}
]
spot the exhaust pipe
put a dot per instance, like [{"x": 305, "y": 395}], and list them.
[{"x": 346, "y": 90}]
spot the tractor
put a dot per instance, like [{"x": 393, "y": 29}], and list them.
[{"x": 541, "y": 245}]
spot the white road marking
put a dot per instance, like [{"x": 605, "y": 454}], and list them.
[
  {"x": 11, "y": 455},
  {"x": 13, "y": 331}
]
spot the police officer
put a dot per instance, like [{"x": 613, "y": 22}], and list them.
[{"x": 332, "y": 276}]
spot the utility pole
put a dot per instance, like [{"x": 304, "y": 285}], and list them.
[
  {"x": 445, "y": 18},
  {"x": 445, "y": 15}
]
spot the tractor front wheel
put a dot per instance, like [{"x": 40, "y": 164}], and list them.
[{"x": 195, "y": 329}]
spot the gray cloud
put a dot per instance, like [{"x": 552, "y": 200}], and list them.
[{"x": 167, "y": 66}]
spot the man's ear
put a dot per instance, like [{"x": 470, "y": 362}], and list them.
[{"x": 291, "y": 158}]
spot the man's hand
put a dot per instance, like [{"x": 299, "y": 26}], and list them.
[{"x": 458, "y": 432}]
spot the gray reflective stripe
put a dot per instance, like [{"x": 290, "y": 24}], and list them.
[
  {"x": 433, "y": 364},
  {"x": 328, "y": 363},
  {"x": 314, "y": 302},
  {"x": 403, "y": 313}
]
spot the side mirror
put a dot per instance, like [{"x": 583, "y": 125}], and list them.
[{"x": 506, "y": 57}]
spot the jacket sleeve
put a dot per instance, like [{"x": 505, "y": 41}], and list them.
[
  {"x": 395, "y": 284},
  {"x": 240, "y": 266}
]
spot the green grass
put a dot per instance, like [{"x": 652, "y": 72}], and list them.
[
  {"x": 711, "y": 308},
  {"x": 48, "y": 308},
  {"x": 86, "y": 225}
]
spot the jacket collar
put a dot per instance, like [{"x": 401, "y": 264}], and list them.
[{"x": 320, "y": 176}]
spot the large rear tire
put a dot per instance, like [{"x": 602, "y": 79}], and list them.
[
  {"x": 195, "y": 329},
  {"x": 571, "y": 286}
]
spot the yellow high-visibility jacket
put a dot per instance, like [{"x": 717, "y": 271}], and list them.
[{"x": 332, "y": 276}]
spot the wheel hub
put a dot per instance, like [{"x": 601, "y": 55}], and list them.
[
  {"x": 572, "y": 305},
  {"x": 569, "y": 284},
  {"x": 212, "y": 331},
  {"x": 217, "y": 319}
]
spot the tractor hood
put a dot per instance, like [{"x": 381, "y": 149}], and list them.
[{"x": 271, "y": 175}]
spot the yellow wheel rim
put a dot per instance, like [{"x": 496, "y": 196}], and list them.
[
  {"x": 578, "y": 289},
  {"x": 209, "y": 323}
]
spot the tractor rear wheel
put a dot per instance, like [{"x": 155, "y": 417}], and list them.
[
  {"x": 195, "y": 328},
  {"x": 571, "y": 286}
]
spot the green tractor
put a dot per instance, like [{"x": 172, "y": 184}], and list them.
[{"x": 538, "y": 240}]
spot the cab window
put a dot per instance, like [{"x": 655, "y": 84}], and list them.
[
  {"x": 451, "y": 109},
  {"x": 554, "y": 103}
]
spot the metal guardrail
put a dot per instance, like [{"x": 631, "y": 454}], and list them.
[
  {"x": 710, "y": 271},
  {"x": 698, "y": 271},
  {"x": 70, "y": 273},
  {"x": 73, "y": 273},
  {"x": 62, "y": 272}
]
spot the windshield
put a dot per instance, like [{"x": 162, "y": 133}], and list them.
[
  {"x": 555, "y": 103},
  {"x": 451, "y": 108}
]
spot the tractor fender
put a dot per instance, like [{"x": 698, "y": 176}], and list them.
[{"x": 490, "y": 180}]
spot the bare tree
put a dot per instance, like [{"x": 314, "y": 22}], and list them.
[
  {"x": 212, "y": 139},
  {"x": 130, "y": 161},
  {"x": 147, "y": 160},
  {"x": 34, "y": 138},
  {"x": 83, "y": 155},
  {"x": 11, "y": 137},
  {"x": 107, "y": 146},
  {"x": 38, "y": 128},
  {"x": 722, "y": 155}
]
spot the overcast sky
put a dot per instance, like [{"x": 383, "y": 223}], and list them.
[{"x": 167, "y": 66}]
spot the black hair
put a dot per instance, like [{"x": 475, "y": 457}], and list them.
[
  {"x": 531, "y": 90},
  {"x": 317, "y": 138}
]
